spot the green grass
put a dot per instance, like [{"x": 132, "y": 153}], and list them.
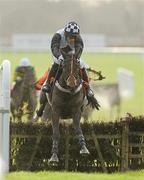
[
  {"x": 107, "y": 63},
  {"x": 136, "y": 175}
]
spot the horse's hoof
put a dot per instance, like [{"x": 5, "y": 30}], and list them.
[
  {"x": 84, "y": 151},
  {"x": 54, "y": 159}
]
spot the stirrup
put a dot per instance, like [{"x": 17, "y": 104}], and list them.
[
  {"x": 46, "y": 88},
  {"x": 90, "y": 93}
]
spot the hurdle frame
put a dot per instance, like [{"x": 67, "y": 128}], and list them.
[{"x": 4, "y": 115}]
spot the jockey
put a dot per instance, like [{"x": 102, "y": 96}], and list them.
[
  {"x": 68, "y": 37},
  {"x": 40, "y": 82},
  {"x": 20, "y": 71}
]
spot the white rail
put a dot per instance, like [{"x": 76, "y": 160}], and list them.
[{"x": 4, "y": 115}]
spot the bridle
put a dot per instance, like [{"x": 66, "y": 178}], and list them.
[{"x": 71, "y": 80}]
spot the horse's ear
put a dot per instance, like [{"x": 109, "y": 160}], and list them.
[{"x": 66, "y": 49}]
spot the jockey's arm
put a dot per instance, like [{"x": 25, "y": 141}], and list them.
[
  {"x": 17, "y": 76},
  {"x": 41, "y": 81},
  {"x": 32, "y": 69},
  {"x": 55, "y": 45}
]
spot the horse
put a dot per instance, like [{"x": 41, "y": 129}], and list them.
[
  {"x": 86, "y": 113},
  {"x": 23, "y": 96},
  {"x": 66, "y": 102}
]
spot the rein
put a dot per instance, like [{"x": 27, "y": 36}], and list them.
[
  {"x": 67, "y": 90},
  {"x": 71, "y": 81}
]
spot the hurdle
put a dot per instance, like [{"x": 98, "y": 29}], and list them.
[{"x": 4, "y": 116}]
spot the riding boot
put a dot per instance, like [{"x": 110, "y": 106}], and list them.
[
  {"x": 89, "y": 92},
  {"x": 43, "y": 101},
  {"x": 52, "y": 73},
  {"x": 39, "y": 113},
  {"x": 85, "y": 80}
]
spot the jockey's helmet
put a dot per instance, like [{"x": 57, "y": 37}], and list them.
[
  {"x": 24, "y": 62},
  {"x": 72, "y": 29}
]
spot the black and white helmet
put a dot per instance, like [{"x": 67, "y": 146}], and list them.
[{"x": 72, "y": 29}]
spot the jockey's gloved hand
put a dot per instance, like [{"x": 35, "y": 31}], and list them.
[
  {"x": 60, "y": 58},
  {"x": 92, "y": 101}
]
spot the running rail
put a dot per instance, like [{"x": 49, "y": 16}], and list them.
[{"x": 4, "y": 116}]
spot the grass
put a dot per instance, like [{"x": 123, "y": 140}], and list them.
[
  {"x": 131, "y": 175},
  {"x": 107, "y": 63}
]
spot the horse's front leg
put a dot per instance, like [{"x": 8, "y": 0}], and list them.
[
  {"x": 79, "y": 133},
  {"x": 56, "y": 137}
]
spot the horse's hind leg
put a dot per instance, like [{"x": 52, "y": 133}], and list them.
[
  {"x": 56, "y": 137},
  {"x": 79, "y": 134}
]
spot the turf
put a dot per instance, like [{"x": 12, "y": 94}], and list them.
[{"x": 136, "y": 175}]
